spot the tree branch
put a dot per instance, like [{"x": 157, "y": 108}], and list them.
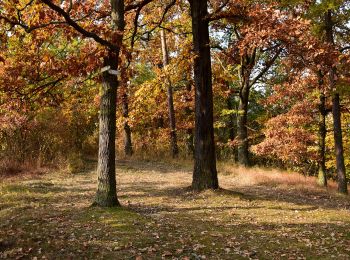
[
  {"x": 78, "y": 28},
  {"x": 137, "y": 5},
  {"x": 345, "y": 49},
  {"x": 266, "y": 68}
]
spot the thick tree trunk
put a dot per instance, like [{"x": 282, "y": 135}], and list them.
[
  {"x": 106, "y": 195},
  {"x": 338, "y": 138},
  {"x": 322, "y": 176},
  {"x": 127, "y": 130},
  {"x": 204, "y": 174},
  {"x": 171, "y": 109}
]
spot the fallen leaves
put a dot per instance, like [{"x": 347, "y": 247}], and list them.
[{"x": 162, "y": 224}]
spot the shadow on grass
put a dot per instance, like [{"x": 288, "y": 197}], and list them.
[
  {"x": 151, "y": 166},
  {"x": 122, "y": 233},
  {"x": 314, "y": 199}
]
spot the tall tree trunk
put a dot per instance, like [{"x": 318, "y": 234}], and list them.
[
  {"x": 189, "y": 132},
  {"x": 172, "y": 122},
  {"x": 189, "y": 142},
  {"x": 231, "y": 127},
  {"x": 338, "y": 138},
  {"x": 204, "y": 174},
  {"x": 322, "y": 176},
  {"x": 338, "y": 142},
  {"x": 247, "y": 64},
  {"x": 106, "y": 194},
  {"x": 242, "y": 130},
  {"x": 127, "y": 130},
  {"x": 231, "y": 123}
]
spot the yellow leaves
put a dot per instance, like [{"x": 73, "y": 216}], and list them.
[
  {"x": 46, "y": 58},
  {"x": 219, "y": 124}
]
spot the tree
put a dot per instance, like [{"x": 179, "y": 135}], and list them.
[
  {"x": 205, "y": 173},
  {"x": 322, "y": 132},
  {"x": 255, "y": 42},
  {"x": 106, "y": 194},
  {"x": 125, "y": 105},
  {"x": 172, "y": 122},
  {"x": 106, "y": 191},
  {"x": 338, "y": 137}
]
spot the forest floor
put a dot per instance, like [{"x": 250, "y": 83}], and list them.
[{"x": 258, "y": 214}]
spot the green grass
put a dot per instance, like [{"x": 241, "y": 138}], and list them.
[{"x": 51, "y": 217}]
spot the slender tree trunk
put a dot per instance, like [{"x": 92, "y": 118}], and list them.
[
  {"x": 189, "y": 132},
  {"x": 231, "y": 123},
  {"x": 106, "y": 194},
  {"x": 127, "y": 130},
  {"x": 338, "y": 142},
  {"x": 189, "y": 142},
  {"x": 172, "y": 122},
  {"x": 242, "y": 130},
  {"x": 338, "y": 138},
  {"x": 247, "y": 64},
  {"x": 322, "y": 176},
  {"x": 231, "y": 127},
  {"x": 204, "y": 174}
]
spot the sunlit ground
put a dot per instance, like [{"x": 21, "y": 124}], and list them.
[{"x": 257, "y": 214}]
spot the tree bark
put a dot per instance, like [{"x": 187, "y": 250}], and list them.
[
  {"x": 205, "y": 173},
  {"x": 189, "y": 132},
  {"x": 338, "y": 137},
  {"x": 106, "y": 195},
  {"x": 232, "y": 123},
  {"x": 171, "y": 109},
  {"x": 127, "y": 130},
  {"x": 247, "y": 63},
  {"x": 338, "y": 143},
  {"x": 242, "y": 131},
  {"x": 322, "y": 176}
]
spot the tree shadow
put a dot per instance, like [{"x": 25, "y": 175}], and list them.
[
  {"x": 150, "y": 166},
  {"x": 313, "y": 200}
]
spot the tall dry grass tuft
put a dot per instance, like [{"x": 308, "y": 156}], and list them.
[{"x": 241, "y": 176}]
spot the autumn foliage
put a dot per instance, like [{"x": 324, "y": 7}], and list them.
[{"x": 271, "y": 61}]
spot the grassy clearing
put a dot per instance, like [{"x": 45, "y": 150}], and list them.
[{"x": 258, "y": 214}]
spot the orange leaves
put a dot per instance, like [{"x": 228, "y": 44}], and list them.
[
  {"x": 290, "y": 135},
  {"x": 266, "y": 25}
]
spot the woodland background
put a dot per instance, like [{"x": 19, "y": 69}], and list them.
[
  {"x": 275, "y": 69},
  {"x": 249, "y": 100}
]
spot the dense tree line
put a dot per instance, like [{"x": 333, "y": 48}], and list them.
[{"x": 255, "y": 82}]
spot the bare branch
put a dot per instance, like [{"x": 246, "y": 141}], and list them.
[{"x": 267, "y": 67}]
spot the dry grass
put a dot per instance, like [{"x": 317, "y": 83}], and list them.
[
  {"x": 258, "y": 214},
  {"x": 271, "y": 177}
]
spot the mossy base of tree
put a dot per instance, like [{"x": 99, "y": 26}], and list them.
[{"x": 105, "y": 200}]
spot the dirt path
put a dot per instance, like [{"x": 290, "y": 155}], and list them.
[{"x": 48, "y": 217}]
